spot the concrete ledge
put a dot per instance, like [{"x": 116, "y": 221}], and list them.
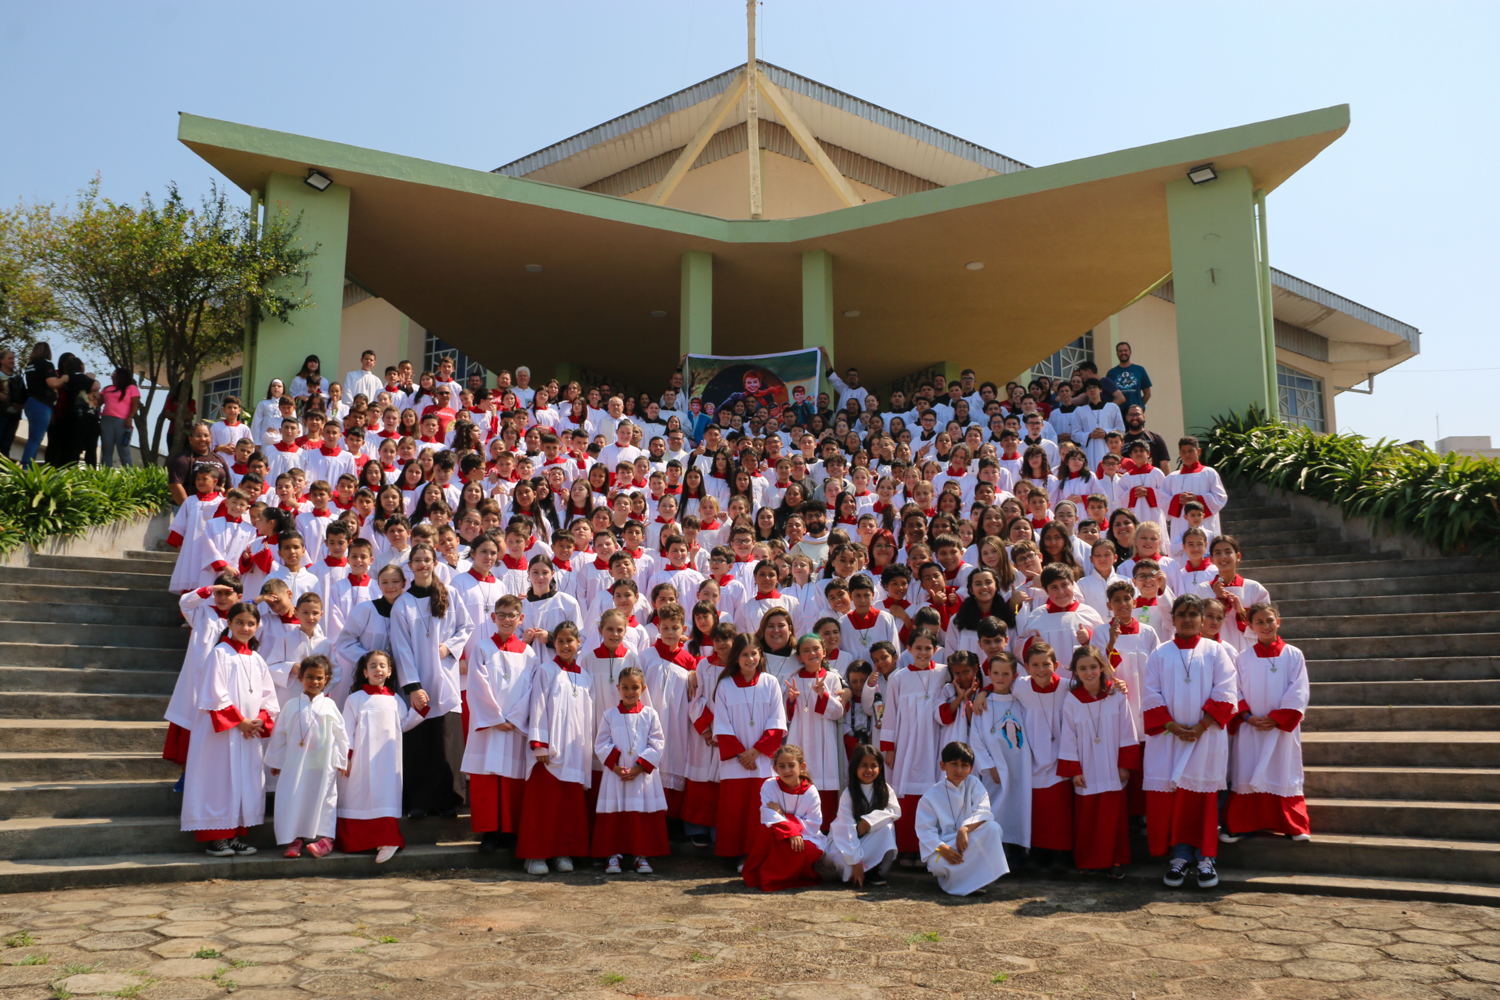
[
  {"x": 104, "y": 541},
  {"x": 1350, "y": 529}
]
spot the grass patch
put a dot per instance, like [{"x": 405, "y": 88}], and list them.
[
  {"x": 1000, "y": 977},
  {"x": 60, "y": 993},
  {"x": 21, "y": 940},
  {"x": 78, "y": 969},
  {"x": 698, "y": 956},
  {"x": 918, "y": 938},
  {"x": 33, "y": 959},
  {"x": 611, "y": 979},
  {"x": 386, "y": 939},
  {"x": 207, "y": 953},
  {"x": 133, "y": 991},
  {"x": 242, "y": 963},
  {"x": 357, "y": 951}
]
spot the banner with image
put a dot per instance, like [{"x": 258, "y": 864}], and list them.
[{"x": 776, "y": 381}]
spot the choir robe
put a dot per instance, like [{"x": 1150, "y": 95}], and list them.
[
  {"x": 330, "y": 571},
  {"x": 1186, "y": 678},
  {"x": 667, "y": 672},
  {"x": 328, "y": 465},
  {"x": 813, "y": 723},
  {"x": 1099, "y": 737},
  {"x": 257, "y": 560},
  {"x": 798, "y": 812},
  {"x": 222, "y": 433},
  {"x": 340, "y": 597},
  {"x": 1001, "y": 744},
  {"x": 942, "y": 810},
  {"x": 1058, "y": 627},
  {"x": 1187, "y": 577},
  {"x": 1208, "y": 489},
  {"x": 434, "y": 749},
  {"x": 1154, "y": 613},
  {"x": 748, "y": 615},
  {"x": 1179, "y": 528},
  {"x": 313, "y": 527},
  {"x": 876, "y": 848},
  {"x": 631, "y": 816},
  {"x": 224, "y": 790},
  {"x": 700, "y": 795},
  {"x": 297, "y": 645},
  {"x": 478, "y": 594},
  {"x": 498, "y": 761},
  {"x": 1150, "y": 503},
  {"x": 1051, "y": 794},
  {"x": 684, "y": 578},
  {"x": 603, "y": 668},
  {"x": 953, "y": 724},
  {"x": 1133, "y": 647},
  {"x": 1093, "y": 590},
  {"x": 560, "y": 725},
  {"x": 863, "y": 631},
  {"x": 548, "y": 612},
  {"x": 187, "y": 533},
  {"x": 278, "y": 635},
  {"x": 309, "y": 746},
  {"x": 909, "y": 726},
  {"x": 369, "y": 799},
  {"x": 1247, "y": 592},
  {"x": 746, "y": 715},
  {"x": 367, "y": 628},
  {"x": 282, "y": 457},
  {"x": 1087, "y": 417},
  {"x": 208, "y": 627},
  {"x": 1266, "y": 766},
  {"x": 223, "y": 541},
  {"x": 1077, "y": 489},
  {"x": 784, "y": 664}
]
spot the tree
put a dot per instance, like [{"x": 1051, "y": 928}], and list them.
[
  {"x": 165, "y": 290},
  {"x": 26, "y": 303}
]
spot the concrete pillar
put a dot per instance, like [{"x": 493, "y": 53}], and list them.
[
  {"x": 696, "y": 329},
  {"x": 817, "y": 304},
  {"x": 1222, "y": 358},
  {"x": 324, "y": 222}
]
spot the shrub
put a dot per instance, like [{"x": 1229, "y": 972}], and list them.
[
  {"x": 1449, "y": 501},
  {"x": 43, "y": 502}
]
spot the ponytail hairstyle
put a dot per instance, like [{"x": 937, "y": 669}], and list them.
[
  {"x": 879, "y": 794},
  {"x": 239, "y": 608},
  {"x": 438, "y": 602}
]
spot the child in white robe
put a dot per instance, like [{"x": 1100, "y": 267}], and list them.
[
  {"x": 749, "y": 724},
  {"x": 787, "y": 842},
  {"x": 959, "y": 836},
  {"x": 225, "y": 535},
  {"x": 1002, "y": 753},
  {"x": 815, "y": 706},
  {"x": 1195, "y": 481},
  {"x": 1127, "y": 644},
  {"x": 186, "y": 533},
  {"x": 1041, "y": 695},
  {"x": 1266, "y": 736},
  {"x": 560, "y": 727},
  {"x": 1142, "y": 486},
  {"x": 1063, "y": 622},
  {"x": 668, "y": 666},
  {"x": 603, "y": 663},
  {"x": 206, "y": 610},
  {"x": 1099, "y": 745},
  {"x": 862, "y": 839},
  {"x": 496, "y": 757},
  {"x": 909, "y": 730},
  {"x": 956, "y": 701},
  {"x": 307, "y": 794},
  {"x": 369, "y": 793},
  {"x": 224, "y": 792},
  {"x": 631, "y": 816}
]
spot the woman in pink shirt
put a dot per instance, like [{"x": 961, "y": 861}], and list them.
[{"x": 121, "y": 400}]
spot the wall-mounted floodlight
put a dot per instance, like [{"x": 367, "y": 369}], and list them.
[
  {"x": 317, "y": 180},
  {"x": 1203, "y": 174}
]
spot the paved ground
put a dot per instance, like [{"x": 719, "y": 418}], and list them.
[{"x": 691, "y": 932}]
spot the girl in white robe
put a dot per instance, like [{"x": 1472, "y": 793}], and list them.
[
  {"x": 1099, "y": 747},
  {"x": 787, "y": 841},
  {"x": 604, "y": 663},
  {"x": 206, "y": 610},
  {"x": 1266, "y": 766},
  {"x": 496, "y": 757},
  {"x": 369, "y": 804},
  {"x": 1002, "y": 752},
  {"x": 909, "y": 730},
  {"x": 226, "y": 535},
  {"x": 224, "y": 792},
  {"x": 749, "y": 724},
  {"x": 1142, "y": 486},
  {"x": 631, "y": 816},
  {"x": 368, "y": 625},
  {"x": 308, "y": 752},
  {"x": 187, "y": 534},
  {"x": 546, "y": 607},
  {"x": 560, "y": 727},
  {"x": 1193, "y": 480},
  {"x": 865, "y": 856},
  {"x": 814, "y": 711},
  {"x": 959, "y": 836}
]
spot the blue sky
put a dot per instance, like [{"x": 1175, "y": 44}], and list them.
[{"x": 1394, "y": 215}]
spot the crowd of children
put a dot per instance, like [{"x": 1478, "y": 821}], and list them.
[{"x": 975, "y": 634}]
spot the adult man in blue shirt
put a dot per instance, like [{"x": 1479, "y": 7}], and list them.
[{"x": 1130, "y": 379}]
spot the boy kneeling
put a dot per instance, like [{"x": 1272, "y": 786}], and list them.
[{"x": 960, "y": 840}]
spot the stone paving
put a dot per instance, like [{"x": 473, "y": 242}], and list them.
[{"x": 689, "y": 931}]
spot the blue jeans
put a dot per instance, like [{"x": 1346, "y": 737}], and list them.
[
  {"x": 1186, "y": 852},
  {"x": 38, "y": 416},
  {"x": 115, "y": 435}
]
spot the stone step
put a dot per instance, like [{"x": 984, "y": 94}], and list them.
[
  {"x": 85, "y": 578},
  {"x": 62, "y": 680},
  {"x": 84, "y": 766},
  {"x": 1456, "y": 584},
  {"x": 119, "y": 597},
  {"x": 105, "y": 568},
  {"x": 90, "y": 614},
  {"x": 1370, "y": 647},
  {"x": 1299, "y": 552},
  {"x": 1253, "y": 510},
  {"x": 1407, "y": 604},
  {"x": 136, "y": 636},
  {"x": 76, "y": 799},
  {"x": 34, "y": 837},
  {"x": 1257, "y": 541},
  {"x": 1231, "y": 523},
  {"x": 1307, "y": 570},
  {"x": 170, "y": 558},
  {"x": 1401, "y": 748},
  {"x": 1387, "y": 856},
  {"x": 41, "y": 654},
  {"x": 74, "y": 705},
  {"x": 1415, "y": 668},
  {"x": 1406, "y": 818},
  {"x": 1406, "y": 692},
  {"x": 67, "y": 736},
  {"x": 1350, "y": 626},
  {"x": 1439, "y": 784},
  {"x": 1335, "y": 718}
]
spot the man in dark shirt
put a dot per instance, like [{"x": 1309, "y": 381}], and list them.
[
  {"x": 1108, "y": 391},
  {"x": 1130, "y": 379},
  {"x": 1135, "y": 430}
]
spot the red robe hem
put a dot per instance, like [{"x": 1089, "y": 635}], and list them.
[
  {"x": 495, "y": 803},
  {"x": 773, "y": 865},
  {"x": 354, "y": 835},
  {"x": 739, "y": 816},
  {"x": 1052, "y": 817},
  {"x": 1250, "y": 812},
  {"x": 176, "y": 747},
  {"x": 700, "y": 803},
  {"x": 638, "y": 833},
  {"x": 1101, "y": 835},
  {"x": 906, "y": 825},
  {"x": 1182, "y": 817},
  {"x": 557, "y": 820}
]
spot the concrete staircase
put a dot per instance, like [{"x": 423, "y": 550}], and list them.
[{"x": 1402, "y": 742}]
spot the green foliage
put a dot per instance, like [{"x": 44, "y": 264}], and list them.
[
  {"x": 930, "y": 936},
  {"x": 206, "y": 953},
  {"x": 44, "y": 502},
  {"x": 1449, "y": 501},
  {"x": 34, "y": 959},
  {"x": 21, "y": 940},
  {"x": 386, "y": 939},
  {"x": 611, "y": 979}
]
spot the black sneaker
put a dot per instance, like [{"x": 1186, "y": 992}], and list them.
[
  {"x": 875, "y": 878},
  {"x": 1176, "y": 873},
  {"x": 416, "y": 814},
  {"x": 1115, "y": 872},
  {"x": 238, "y": 846},
  {"x": 490, "y": 842},
  {"x": 219, "y": 849},
  {"x": 1208, "y": 874},
  {"x": 698, "y": 841}
]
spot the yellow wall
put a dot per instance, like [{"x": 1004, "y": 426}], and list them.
[
  {"x": 1150, "y": 326},
  {"x": 1317, "y": 369},
  {"x": 790, "y": 189},
  {"x": 374, "y": 325}
]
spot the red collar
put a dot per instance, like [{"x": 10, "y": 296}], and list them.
[
  {"x": 896, "y": 602},
  {"x": 372, "y": 690},
  {"x": 632, "y": 710},
  {"x": 803, "y": 785},
  {"x": 487, "y": 578},
  {"x": 1145, "y": 602},
  {"x": 283, "y": 446},
  {"x": 208, "y": 497},
  {"x": 1199, "y": 567},
  {"x": 571, "y": 666},
  {"x": 335, "y": 562},
  {"x": 315, "y": 512},
  {"x": 1186, "y": 643},
  {"x": 867, "y": 620},
  {"x": 518, "y": 562},
  {"x": 773, "y": 595},
  {"x": 359, "y": 581},
  {"x": 604, "y": 654},
  {"x": 802, "y": 672},
  {"x": 1083, "y": 696},
  {"x": 1129, "y": 627},
  {"x": 240, "y": 468},
  {"x": 289, "y": 619},
  {"x": 336, "y": 451},
  {"x": 1056, "y": 679},
  {"x": 1238, "y": 581},
  {"x": 1274, "y": 649},
  {"x": 1040, "y": 522},
  {"x": 1190, "y": 469},
  {"x": 739, "y": 680},
  {"x": 562, "y": 564},
  {"x": 917, "y": 670},
  {"x": 512, "y": 644},
  {"x": 1055, "y": 610},
  {"x": 679, "y": 656},
  {"x": 236, "y": 645}
]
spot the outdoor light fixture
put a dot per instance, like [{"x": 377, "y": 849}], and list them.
[
  {"x": 1203, "y": 174},
  {"x": 851, "y": 313},
  {"x": 975, "y": 265},
  {"x": 534, "y": 268},
  {"x": 658, "y": 314},
  {"x": 317, "y": 180}
]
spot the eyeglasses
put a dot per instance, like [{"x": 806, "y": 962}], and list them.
[{"x": 506, "y": 616}]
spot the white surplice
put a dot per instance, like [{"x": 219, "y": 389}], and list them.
[
  {"x": 942, "y": 811},
  {"x": 309, "y": 746},
  {"x": 876, "y": 848},
  {"x": 374, "y": 724}
]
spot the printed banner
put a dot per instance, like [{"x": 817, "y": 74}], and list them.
[{"x": 773, "y": 380}]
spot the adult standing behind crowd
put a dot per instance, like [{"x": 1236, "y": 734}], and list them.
[
  {"x": 1130, "y": 379},
  {"x": 42, "y": 383},
  {"x": 199, "y": 450},
  {"x": 12, "y": 398},
  {"x": 1135, "y": 430},
  {"x": 75, "y": 423},
  {"x": 121, "y": 401},
  {"x": 363, "y": 380}
]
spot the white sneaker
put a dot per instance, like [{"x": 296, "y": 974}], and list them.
[
  {"x": 643, "y": 867},
  {"x": 385, "y": 854},
  {"x": 613, "y": 866},
  {"x": 563, "y": 864},
  {"x": 1302, "y": 836},
  {"x": 536, "y": 866},
  {"x": 1225, "y": 837}
]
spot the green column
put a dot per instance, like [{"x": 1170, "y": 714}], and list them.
[
  {"x": 281, "y": 346},
  {"x": 1267, "y": 309},
  {"x": 1220, "y": 332},
  {"x": 817, "y": 303},
  {"x": 696, "y": 330}
]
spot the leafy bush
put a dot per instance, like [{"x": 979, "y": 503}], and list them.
[
  {"x": 1449, "y": 501},
  {"x": 44, "y": 502}
]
